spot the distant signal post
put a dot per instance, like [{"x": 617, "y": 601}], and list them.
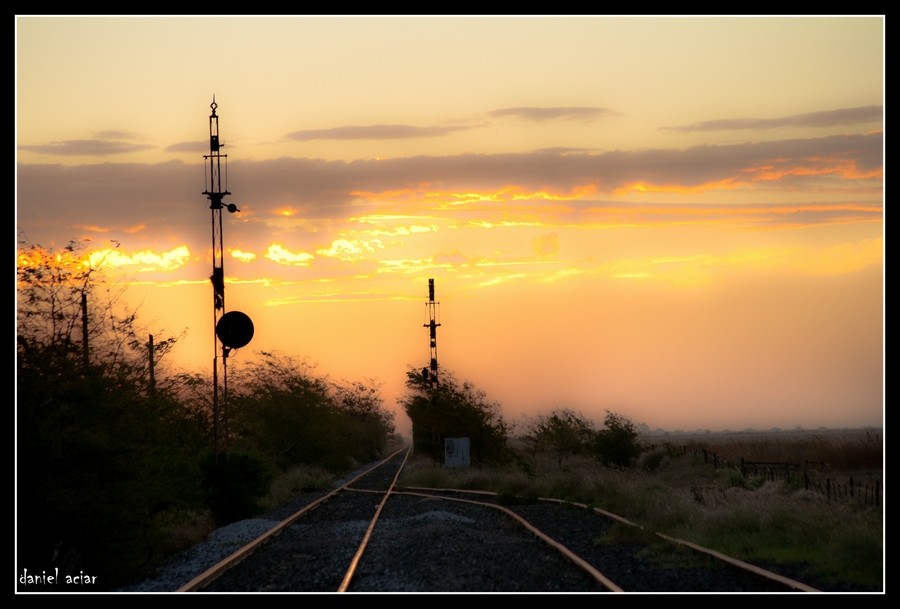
[{"x": 430, "y": 374}]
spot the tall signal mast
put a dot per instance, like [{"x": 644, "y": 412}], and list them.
[
  {"x": 233, "y": 330},
  {"x": 215, "y": 194},
  {"x": 431, "y": 374}
]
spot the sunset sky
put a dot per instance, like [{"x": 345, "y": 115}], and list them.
[{"x": 678, "y": 219}]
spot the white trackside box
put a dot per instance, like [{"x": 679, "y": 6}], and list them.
[{"x": 456, "y": 452}]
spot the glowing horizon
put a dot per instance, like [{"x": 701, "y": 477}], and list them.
[{"x": 723, "y": 247}]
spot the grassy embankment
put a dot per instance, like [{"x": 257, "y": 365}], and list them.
[{"x": 833, "y": 543}]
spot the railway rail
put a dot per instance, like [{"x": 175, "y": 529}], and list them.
[{"x": 371, "y": 535}]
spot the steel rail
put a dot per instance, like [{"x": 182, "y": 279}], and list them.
[
  {"x": 787, "y": 581},
  {"x": 365, "y": 540},
  {"x": 237, "y": 556},
  {"x": 566, "y": 552},
  {"x": 393, "y": 488}
]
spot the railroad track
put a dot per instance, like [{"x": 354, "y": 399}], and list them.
[{"x": 371, "y": 535}]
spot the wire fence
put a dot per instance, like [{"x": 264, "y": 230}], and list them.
[{"x": 813, "y": 476}]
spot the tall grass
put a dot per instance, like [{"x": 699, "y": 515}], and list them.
[
  {"x": 835, "y": 450},
  {"x": 774, "y": 524},
  {"x": 301, "y": 478}
]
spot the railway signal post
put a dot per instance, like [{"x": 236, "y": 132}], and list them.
[{"x": 232, "y": 330}]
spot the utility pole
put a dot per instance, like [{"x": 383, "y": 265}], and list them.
[
  {"x": 85, "y": 348},
  {"x": 152, "y": 365}
]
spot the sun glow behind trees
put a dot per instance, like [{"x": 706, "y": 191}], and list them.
[{"x": 714, "y": 260}]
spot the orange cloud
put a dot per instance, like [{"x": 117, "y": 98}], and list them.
[
  {"x": 517, "y": 193},
  {"x": 108, "y": 257},
  {"x": 503, "y": 194},
  {"x": 409, "y": 266},
  {"x": 400, "y": 193},
  {"x": 846, "y": 169},
  {"x": 147, "y": 260},
  {"x": 766, "y": 215},
  {"x": 347, "y": 250},
  {"x": 774, "y": 171},
  {"x": 93, "y": 228},
  {"x": 243, "y": 256},
  {"x": 682, "y": 189},
  {"x": 281, "y": 255}
]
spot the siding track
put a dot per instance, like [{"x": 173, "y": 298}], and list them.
[{"x": 369, "y": 535}]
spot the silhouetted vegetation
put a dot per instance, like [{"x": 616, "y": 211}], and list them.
[
  {"x": 288, "y": 416},
  {"x": 564, "y": 432},
  {"x": 618, "y": 443},
  {"x": 101, "y": 452},
  {"x": 454, "y": 411},
  {"x": 113, "y": 454},
  {"x": 233, "y": 485}
]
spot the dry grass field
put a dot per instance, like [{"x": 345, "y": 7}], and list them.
[
  {"x": 834, "y": 542},
  {"x": 846, "y": 450}
]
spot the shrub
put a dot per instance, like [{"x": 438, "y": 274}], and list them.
[
  {"x": 452, "y": 410},
  {"x": 234, "y": 484},
  {"x": 617, "y": 444},
  {"x": 566, "y": 432},
  {"x": 653, "y": 460}
]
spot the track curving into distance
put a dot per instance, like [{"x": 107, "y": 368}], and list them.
[{"x": 369, "y": 535}]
